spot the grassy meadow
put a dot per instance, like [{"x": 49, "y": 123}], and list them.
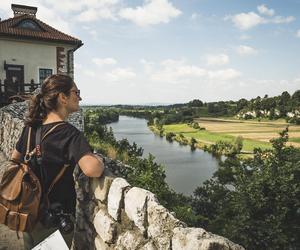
[{"x": 254, "y": 133}]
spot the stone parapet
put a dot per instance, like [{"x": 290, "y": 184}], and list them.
[{"x": 138, "y": 221}]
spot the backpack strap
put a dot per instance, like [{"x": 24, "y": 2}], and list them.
[
  {"x": 28, "y": 154},
  {"x": 39, "y": 157},
  {"x": 60, "y": 174},
  {"x": 28, "y": 141},
  {"x": 50, "y": 130}
]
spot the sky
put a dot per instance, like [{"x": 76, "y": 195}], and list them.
[{"x": 174, "y": 51}]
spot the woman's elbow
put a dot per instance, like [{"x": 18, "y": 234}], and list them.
[{"x": 92, "y": 166}]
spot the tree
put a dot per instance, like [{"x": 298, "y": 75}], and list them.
[
  {"x": 296, "y": 97},
  {"x": 195, "y": 103},
  {"x": 242, "y": 103},
  {"x": 255, "y": 202}
]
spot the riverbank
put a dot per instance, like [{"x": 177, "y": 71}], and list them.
[
  {"x": 180, "y": 162},
  {"x": 255, "y": 134}
]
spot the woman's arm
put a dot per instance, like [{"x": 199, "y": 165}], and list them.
[{"x": 91, "y": 165}]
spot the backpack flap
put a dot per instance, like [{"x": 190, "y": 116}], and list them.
[{"x": 11, "y": 184}]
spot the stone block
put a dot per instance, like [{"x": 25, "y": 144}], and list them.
[
  {"x": 105, "y": 226},
  {"x": 136, "y": 200},
  {"x": 115, "y": 197},
  {"x": 199, "y": 239},
  {"x": 130, "y": 240},
  {"x": 161, "y": 224},
  {"x": 100, "y": 186},
  {"x": 101, "y": 245},
  {"x": 149, "y": 246}
]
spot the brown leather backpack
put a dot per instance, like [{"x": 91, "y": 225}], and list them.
[{"x": 20, "y": 192}]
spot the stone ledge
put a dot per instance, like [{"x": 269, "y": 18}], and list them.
[
  {"x": 199, "y": 239},
  {"x": 105, "y": 226},
  {"x": 100, "y": 186},
  {"x": 136, "y": 206},
  {"x": 116, "y": 197}
]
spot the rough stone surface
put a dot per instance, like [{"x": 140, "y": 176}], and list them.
[
  {"x": 105, "y": 226},
  {"x": 199, "y": 239},
  {"x": 100, "y": 186},
  {"x": 115, "y": 197},
  {"x": 161, "y": 224},
  {"x": 10, "y": 129},
  {"x": 101, "y": 245},
  {"x": 149, "y": 246},
  {"x": 136, "y": 200},
  {"x": 130, "y": 240}
]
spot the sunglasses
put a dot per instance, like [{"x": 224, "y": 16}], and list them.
[{"x": 77, "y": 92}]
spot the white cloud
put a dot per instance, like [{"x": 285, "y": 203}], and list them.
[
  {"x": 262, "y": 9},
  {"x": 120, "y": 74},
  {"x": 246, "y": 21},
  {"x": 224, "y": 75},
  {"x": 179, "y": 71},
  {"x": 221, "y": 59},
  {"x": 246, "y": 50},
  {"x": 92, "y": 14},
  {"x": 54, "y": 19},
  {"x": 104, "y": 61},
  {"x": 298, "y": 33},
  {"x": 152, "y": 12},
  {"x": 280, "y": 19},
  {"x": 67, "y": 6}
]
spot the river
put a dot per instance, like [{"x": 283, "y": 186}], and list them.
[{"x": 185, "y": 169}]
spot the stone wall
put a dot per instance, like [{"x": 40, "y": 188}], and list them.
[{"x": 111, "y": 214}]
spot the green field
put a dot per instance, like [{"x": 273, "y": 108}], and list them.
[{"x": 256, "y": 134}]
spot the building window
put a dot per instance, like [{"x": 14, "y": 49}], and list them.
[
  {"x": 29, "y": 24},
  {"x": 44, "y": 73}
]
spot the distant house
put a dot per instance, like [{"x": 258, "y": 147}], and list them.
[{"x": 31, "y": 50}]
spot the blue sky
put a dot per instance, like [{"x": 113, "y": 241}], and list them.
[{"x": 167, "y": 51}]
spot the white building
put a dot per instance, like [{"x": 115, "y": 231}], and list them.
[{"x": 30, "y": 50}]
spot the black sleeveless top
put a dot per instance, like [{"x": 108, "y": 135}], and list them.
[{"x": 64, "y": 145}]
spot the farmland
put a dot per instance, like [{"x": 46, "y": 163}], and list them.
[{"x": 254, "y": 133}]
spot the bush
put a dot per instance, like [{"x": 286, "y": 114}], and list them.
[{"x": 170, "y": 136}]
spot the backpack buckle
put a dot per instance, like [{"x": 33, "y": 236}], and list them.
[{"x": 27, "y": 157}]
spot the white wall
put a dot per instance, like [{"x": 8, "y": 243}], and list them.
[{"x": 33, "y": 55}]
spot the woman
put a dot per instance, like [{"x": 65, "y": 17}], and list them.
[{"x": 58, "y": 98}]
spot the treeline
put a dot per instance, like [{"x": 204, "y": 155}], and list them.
[
  {"x": 284, "y": 106},
  {"x": 254, "y": 202},
  {"x": 100, "y": 116}
]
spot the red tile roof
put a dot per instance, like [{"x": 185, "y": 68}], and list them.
[{"x": 9, "y": 28}]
